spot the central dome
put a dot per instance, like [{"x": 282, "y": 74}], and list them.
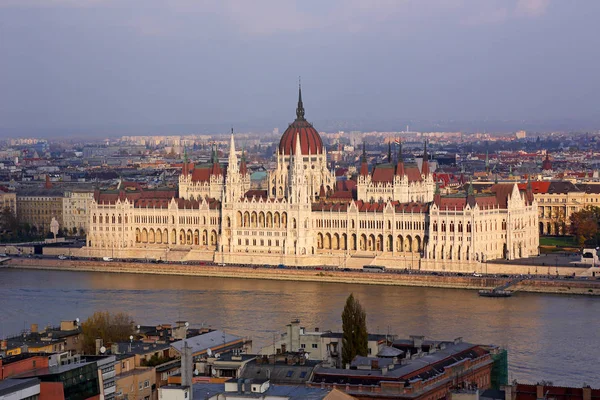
[{"x": 310, "y": 140}]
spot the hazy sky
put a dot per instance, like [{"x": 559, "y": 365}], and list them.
[{"x": 97, "y": 65}]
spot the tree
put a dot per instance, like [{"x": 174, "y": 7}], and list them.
[
  {"x": 354, "y": 327},
  {"x": 585, "y": 225},
  {"x": 8, "y": 220},
  {"x": 109, "y": 327}
]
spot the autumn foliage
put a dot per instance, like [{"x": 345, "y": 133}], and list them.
[
  {"x": 110, "y": 327},
  {"x": 585, "y": 225}
]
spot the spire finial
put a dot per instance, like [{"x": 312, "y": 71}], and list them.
[
  {"x": 471, "y": 191},
  {"x": 300, "y": 108},
  {"x": 390, "y": 151},
  {"x": 400, "y": 151},
  {"x": 364, "y": 154}
]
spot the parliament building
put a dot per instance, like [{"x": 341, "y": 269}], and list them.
[{"x": 393, "y": 216}]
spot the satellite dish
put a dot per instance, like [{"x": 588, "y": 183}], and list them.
[
  {"x": 209, "y": 352},
  {"x": 217, "y": 355},
  {"x": 138, "y": 327},
  {"x": 102, "y": 349},
  {"x": 187, "y": 324},
  {"x": 196, "y": 372},
  {"x": 131, "y": 337},
  {"x": 77, "y": 320},
  {"x": 214, "y": 372}
]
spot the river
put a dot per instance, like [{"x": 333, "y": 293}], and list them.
[{"x": 550, "y": 337}]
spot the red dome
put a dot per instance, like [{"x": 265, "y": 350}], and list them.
[{"x": 310, "y": 140}]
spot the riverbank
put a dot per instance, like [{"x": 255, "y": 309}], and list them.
[{"x": 557, "y": 286}]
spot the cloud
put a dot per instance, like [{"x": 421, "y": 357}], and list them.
[{"x": 531, "y": 8}]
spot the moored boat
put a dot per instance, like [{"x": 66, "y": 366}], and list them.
[{"x": 495, "y": 293}]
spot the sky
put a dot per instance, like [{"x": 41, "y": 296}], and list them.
[{"x": 91, "y": 67}]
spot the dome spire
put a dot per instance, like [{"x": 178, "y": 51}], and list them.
[{"x": 300, "y": 108}]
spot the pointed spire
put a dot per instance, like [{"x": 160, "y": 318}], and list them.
[
  {"x": 529, "y": 191},
  {"x": 364, "y": 167},
  {"x": 400, "y": 165},
  {"x": 400, "y": 158},
  {"x": 243, "y": 167},
  {"x": 471, "y": 194},
  {"x": 437, "y": 195},
  {"x": 300, "y": 108},
  {"x": 48, "y": 184},
  {"x": 425, "y": 167},
  {"x": 231, "y": 144},
  {"x": 186, "y": 164},
  {"x": 390, "y": 152},
  {"x": 364, "y": 153}
]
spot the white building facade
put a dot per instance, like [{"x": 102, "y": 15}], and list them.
[{"x": 394, "y": 216}]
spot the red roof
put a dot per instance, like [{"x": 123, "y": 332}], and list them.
[
  {"x": 413, "y": 173},
  {"x": 383, "y": 174},
  {"x": 537, "y": 186}
]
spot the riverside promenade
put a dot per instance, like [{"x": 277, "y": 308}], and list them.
[{"x": 536, "y": 284}]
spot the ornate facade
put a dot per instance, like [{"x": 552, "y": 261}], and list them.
[{"x": 394, "y": 217}]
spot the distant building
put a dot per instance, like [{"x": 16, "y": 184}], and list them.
[
  {"x": 76, "y": 210},
  {"x": 520, "y": 134},
  {"x": 37, "y": 206}
]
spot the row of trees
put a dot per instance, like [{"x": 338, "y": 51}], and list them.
[{"x": 11, "y": 229}]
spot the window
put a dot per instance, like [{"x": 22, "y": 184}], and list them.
[
  {"x": 302, "y": 374},
  {"x": 314, "y": 346},
  {"x": 289, "y": 373},
  {"x": 147, "y": 384},
  {"x": 141, "y": 386},
  {"x": 303, "y": 345}
]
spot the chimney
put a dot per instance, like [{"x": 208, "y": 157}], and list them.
[
  {"x": 587, "y": 393},
  {"x": 417, "y": 341},
  {"x": 374, "y": 364},
  {"x": 34, "y": 328},
  {"x": 99, "y": 344},
  {"x": 508, "y": 390},
  {"x": 539, "y": 391},
  {"x": 3, "y": 344},
  {"x": 458, "y": 340}
]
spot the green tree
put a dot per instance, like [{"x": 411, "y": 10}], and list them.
[
  {"x": 8, "y": 220},
  {"x": 585, "y": 225},
  {"x": 354, "y": 327},
  {"x": 110, "y": 327}
]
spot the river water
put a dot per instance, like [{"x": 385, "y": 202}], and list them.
[{"x": 548, "y": 337}]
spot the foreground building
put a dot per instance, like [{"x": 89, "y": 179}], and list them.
[
  {"x": 417, "y": 369},
  {"x": 395, "y": 217}
]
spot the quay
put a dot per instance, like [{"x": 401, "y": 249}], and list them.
[{"x": 534, "y": 284}]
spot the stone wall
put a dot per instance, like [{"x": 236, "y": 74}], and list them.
[{"x": 587, "y": 287}]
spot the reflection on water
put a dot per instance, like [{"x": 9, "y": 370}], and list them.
[{"x": 548, "y": 337}]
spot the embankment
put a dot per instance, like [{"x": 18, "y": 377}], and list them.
[{"x": 537, "y": 285}]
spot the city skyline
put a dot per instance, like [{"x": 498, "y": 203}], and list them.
[{"x": 104, "y": 67}]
